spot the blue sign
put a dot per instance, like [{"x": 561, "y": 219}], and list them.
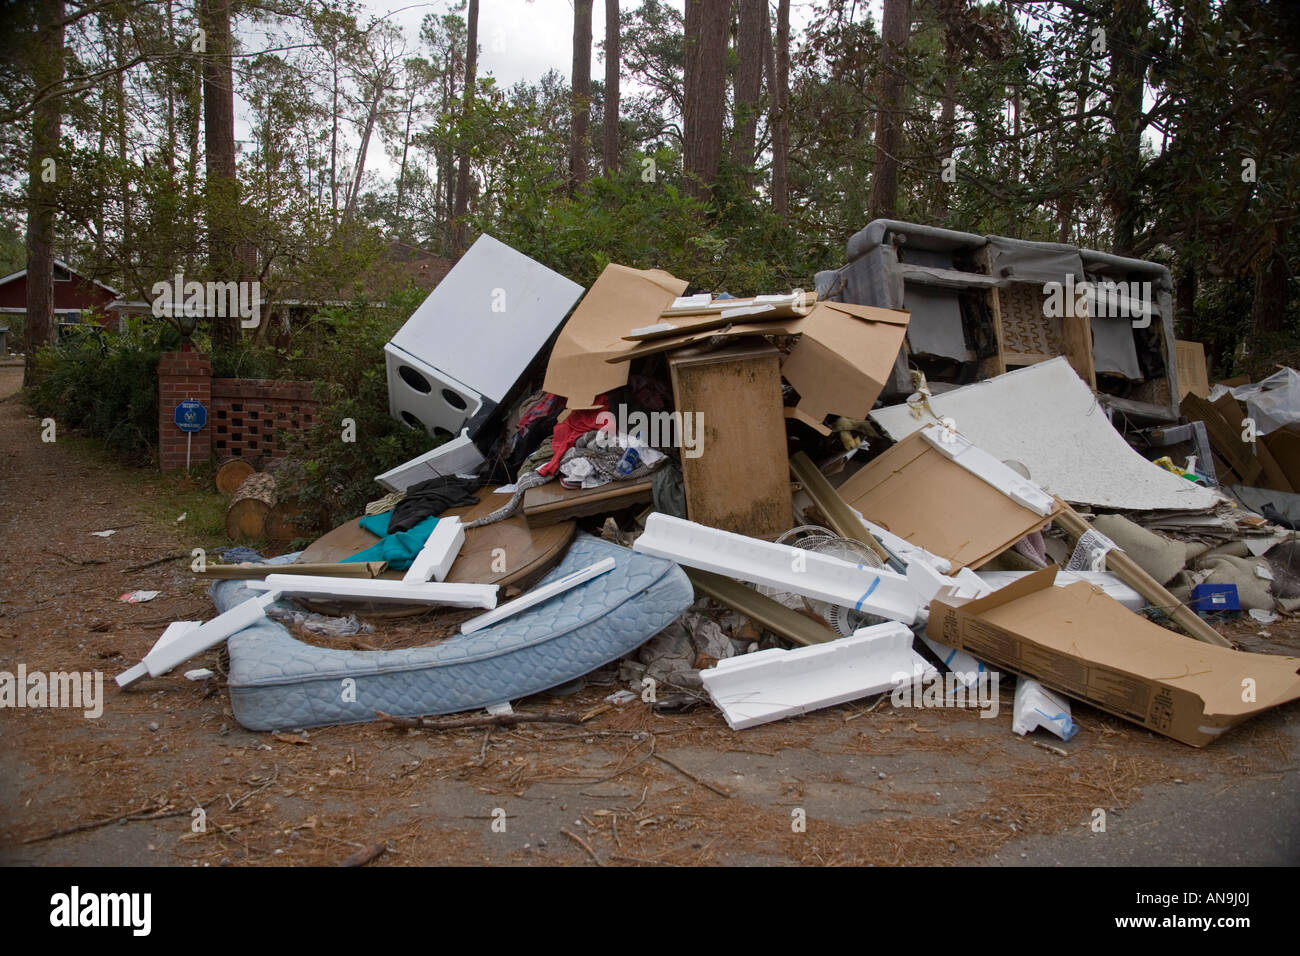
[{"x": 190, "y": 415}]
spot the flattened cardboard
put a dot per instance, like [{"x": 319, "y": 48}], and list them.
[
  {"x": 620, "y": 300},
  {"x": 1080, "y": 641},
  {"x": 928, "y": 500},
  {"x": 844, "y": 356},
  {"x": 1193, "y": 376}
]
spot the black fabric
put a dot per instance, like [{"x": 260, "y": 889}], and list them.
[{"x": 431, "y": 497}]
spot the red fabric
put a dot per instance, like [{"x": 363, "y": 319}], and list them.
[{"x": 571, "y": 429}]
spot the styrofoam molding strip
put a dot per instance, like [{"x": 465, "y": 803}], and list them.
[
  {"x": 966, "y": 668},
  {"x": 792, "y": 569},
  {"x": 904, "y": 548},
  {"x": 185, "y": 639},
  {"x": 537, "y": 596},
  {"x": 380, "y": 589},
  {"x": 439, "y": 552},
  {"x": 1036, "y": 706},
  {"x": 768, "y": 685},
  {"x": 458, "y": 456},
  {"x": 984, "y": 466}
]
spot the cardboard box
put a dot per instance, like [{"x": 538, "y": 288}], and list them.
[
  {"x": 844, "y": 356},
  {"x": 931, "y": 501},
  {"x": 1081, "y": 642}
]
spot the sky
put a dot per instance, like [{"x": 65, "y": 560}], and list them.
[{"x": 519, "y": 40}]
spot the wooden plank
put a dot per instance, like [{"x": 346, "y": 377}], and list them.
[
  {"x": 772, "y": 614},
  {"x": 551, "y": 503},
  {"x": 740, "y": 479}
]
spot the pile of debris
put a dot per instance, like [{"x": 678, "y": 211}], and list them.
[{"x": 710, "y": 495}]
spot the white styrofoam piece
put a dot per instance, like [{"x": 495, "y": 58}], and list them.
[
  {"x": 905, "y": 549},
  {"x": 537, "y": 596},
  {"x": 767, "y": 685},
  {"x": 439, "y": 552},
  {"x": 930, "y": 584},
  {"x": 814, "y": 575},
  {"x": 455, "y": 456},
  {"x": 420, "y": 393},
  {"x": 488, "y": 318},
  {"x": 960, "y": 450},
  {"x": 380, "y": 589},
  {"x": 963, "y": 666},
  {"x": 185, "y": 639},
  {"x": 1046, "y": 417},
  {"x": 1106, "y": 580},
  {"x": 502, "y": 709},
  {"x": 1036, "y": 706}
]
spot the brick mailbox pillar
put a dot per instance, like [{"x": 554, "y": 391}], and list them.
[{"x": 181, "y": 376}]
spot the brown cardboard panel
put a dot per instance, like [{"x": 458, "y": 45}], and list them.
[
  {"x": 1284, "y": 446},
  {"x": 844, "y": 356},
  {"x": 926, "y": 499},
  {"x": 1192, "y": 374},
  {"x": 620, "y": 300},
  {"x": 1081, "y": 642}
]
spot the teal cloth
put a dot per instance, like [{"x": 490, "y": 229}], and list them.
[{"x": 399, "y": 549}]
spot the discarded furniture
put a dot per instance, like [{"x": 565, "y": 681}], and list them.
[
  {"x": 984, "y": 305},
  {"x": 278, "y": 682},
  {"x": 474, "y": 336},
  {"x": 739, "y": 480}
]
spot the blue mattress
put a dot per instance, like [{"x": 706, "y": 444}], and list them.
[{"x": 277, "y": 682}]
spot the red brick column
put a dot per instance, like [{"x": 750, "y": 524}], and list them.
[{"x": 181, "y": 376}]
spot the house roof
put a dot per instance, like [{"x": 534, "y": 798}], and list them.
[{"x": 66, "y": 268}]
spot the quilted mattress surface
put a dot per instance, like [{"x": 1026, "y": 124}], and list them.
[{"x": 278, "y": 682}]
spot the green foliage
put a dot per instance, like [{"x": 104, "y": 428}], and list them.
[
  {"x": 335, "y": 478},
  {"x": 106, "y": 393}
]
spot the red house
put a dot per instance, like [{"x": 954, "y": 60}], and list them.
[{"x": 76, "y": 298}]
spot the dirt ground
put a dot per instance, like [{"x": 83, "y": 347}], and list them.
[{"x": 873, "y": 785}]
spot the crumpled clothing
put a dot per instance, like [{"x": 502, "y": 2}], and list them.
[
  {"x": 399, "y": 549},
  {"x": 571, "y": 429},
  {"x": 593, "y": 460},
  {"x": 431, "y": 497}
]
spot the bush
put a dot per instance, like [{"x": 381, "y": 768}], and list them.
[{"x": 107, "y": 391}]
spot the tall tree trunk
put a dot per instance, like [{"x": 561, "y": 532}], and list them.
[
  {"x": 219, "y": 146},
  {"x": 1128, "y": 70},
  {"x": 462, "y": 160},
  {"x": 47, "y": 69},
  {"x": 889, "y": 109},
  {"x": 372, "y": 112},
  {"x": 751, "y": 38},
  {"x": 1270, "y": 291},
  {"x": 171, "y": 106},
  {"x": 613, "y": 56},
  {"x": 401, "y": 172},
  {"x": 706, "y": 27},
  {"x": 780, "y": 112},
  {"x": 334, "y": 137},
  {"x": 580, "y": 110}
]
